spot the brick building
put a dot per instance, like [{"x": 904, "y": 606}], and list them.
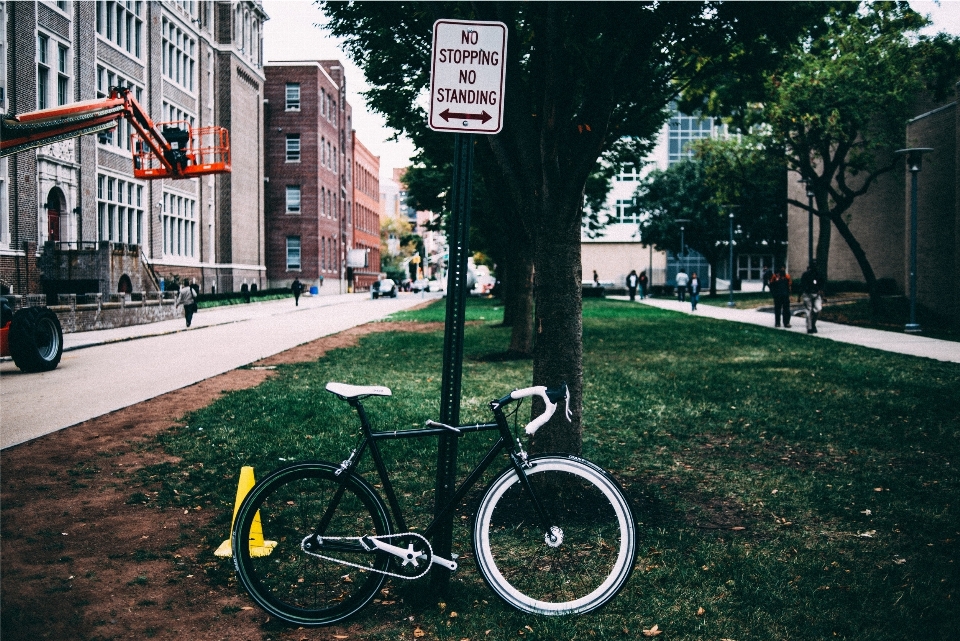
[
  {"x": 72, "y": 216},
  {"x": 880, "y": 220},
  {"x": 313, "y": 216},
  {"x": 366, "y": 214}
]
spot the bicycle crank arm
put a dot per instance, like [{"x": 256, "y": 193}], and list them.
[{"x": 409, "y": 554}]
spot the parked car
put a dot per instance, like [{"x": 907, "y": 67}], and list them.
[
  {"x": 385, "y": 287},
  {"x": 420, "y": 285}
]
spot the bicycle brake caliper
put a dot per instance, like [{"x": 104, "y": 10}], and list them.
[{"x": 345, "y": 464}]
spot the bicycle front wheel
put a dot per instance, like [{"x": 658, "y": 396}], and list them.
[
  {"x": 287, "y": 506},
  {"x": 577, "y": 563}
]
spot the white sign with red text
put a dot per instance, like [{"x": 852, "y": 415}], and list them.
[{"x": 467, "y": 75}]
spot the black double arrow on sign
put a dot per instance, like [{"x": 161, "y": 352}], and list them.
[{"x": 483, "y": 116}]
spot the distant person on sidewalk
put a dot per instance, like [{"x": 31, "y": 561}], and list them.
[
  {"x": 780, "y": 286},
  {"x": 682, "y": 281},
  {"x": 297, "y": 289},
  {"x": 694, "y": 288},
  {"x": 767, "y": 275},
  {"x": 596, "y": 279},
  {"x": 632, "y": 282},
  {"x": 643, "y": 282},
  {"x": 188, "y": 298},
  {"x": 811, "y": 293}
]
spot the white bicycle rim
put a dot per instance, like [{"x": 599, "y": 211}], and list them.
[{"x": 600, "y": 595}]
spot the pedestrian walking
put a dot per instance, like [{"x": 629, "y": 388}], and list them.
[
  {"x": 297, "y": 289},
  {"x": 682, "y": 281},
  {"x": 632, "y": 282},
  {"x": 188, "y": 298},
  {"x": 596, "y": 279},
  {"x": 767, "y": 275},
  {"x": 694, "y": 288},
  {"x": 811, "y": 293},
  {"x": 780, "y": 287},
  {"x": 642, "y": 281}
]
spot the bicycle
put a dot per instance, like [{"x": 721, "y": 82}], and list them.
[{"x": 553, "y": 535}]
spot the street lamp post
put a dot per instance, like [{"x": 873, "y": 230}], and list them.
[
  {"x": 914, "y": 163},
  {"x": 806, "y": 184},
  {"x": 730, "y": 302},
  {"x": 683, "y": 247}
]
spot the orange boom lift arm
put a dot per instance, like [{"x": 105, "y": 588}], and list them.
[{"x": 164, "y": 150}]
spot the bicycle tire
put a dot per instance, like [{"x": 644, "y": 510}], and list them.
[
  {"x": 290, "y": 584},
  {"x": 590, "y": 565}
]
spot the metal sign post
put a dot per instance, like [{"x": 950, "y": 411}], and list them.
[{"x": 466, "y": 96}]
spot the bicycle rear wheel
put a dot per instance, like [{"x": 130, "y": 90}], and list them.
[
  {"x": 287, "y": 506},
  {"x": 591, "y": 555}
]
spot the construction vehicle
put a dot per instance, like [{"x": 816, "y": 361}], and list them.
[
  {"x": 163, "y": 150},
  {"x": 33, "y": 336}
]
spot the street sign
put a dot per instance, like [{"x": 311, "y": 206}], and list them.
[{"x": 467, "y": 73}]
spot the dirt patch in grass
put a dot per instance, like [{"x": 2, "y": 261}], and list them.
[{"x": 85, "y": 555}]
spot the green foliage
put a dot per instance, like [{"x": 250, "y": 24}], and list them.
[{"x": 788, "y": 486}]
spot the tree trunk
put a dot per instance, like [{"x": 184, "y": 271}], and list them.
[
  {"x": 558, "y": 353},
  {"x": 517, "y": 295},
  {"x": 862, "y": 260},
  {"x": 521, "y": 337}
]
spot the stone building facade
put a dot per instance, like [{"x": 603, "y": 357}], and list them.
[
  {"x": 68, "y": 210},
  {"x": 310, "y": 188}
]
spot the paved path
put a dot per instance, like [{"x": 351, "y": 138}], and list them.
[
  {"x": 911, "y": 344},
  {"x": 107, "y": 370}
]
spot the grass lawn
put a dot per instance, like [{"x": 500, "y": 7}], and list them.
[{"x": 785, "y": 487}]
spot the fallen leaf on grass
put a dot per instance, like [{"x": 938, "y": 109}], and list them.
[
  {"x": 701, "y": 612},
  {"x": 340, "y": 636},
  {"x": 652, "y": 632},
  {"x": 869, "y": 534},
  {"x": 417, "y": 633}
]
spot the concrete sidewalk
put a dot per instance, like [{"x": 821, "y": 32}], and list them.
[
  {"x": 107, "y": 370},
  {"x": 910, "y": 344}
]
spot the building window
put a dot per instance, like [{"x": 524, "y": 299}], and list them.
[
  {"x": 293, "y": 253},
  {"x": 43, "y": 71},
  {"x": 179, "y": 55},
  {"x": 119, "y": 210},
  {"x": 3, "y": 59},
  {"x": 179, "y": 222},
  {"x": 293, "y": 96},
  {"x": 293, "y": 199},
  {"x": 629, "y": 173},
  {"x": 4, "y": 205},
  {"x": 63, "y": 78},
  {"x": 293, "y": 147},
  {"x": 626, "y": 213},
  {"x": 121, "y": 24},
  {"x": 107, "y": 78},
  {"x": 684, "y": 130}
]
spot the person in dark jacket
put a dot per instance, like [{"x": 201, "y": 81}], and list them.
[
  {"x": 297, "y": 289},
  {"x": 643, "y": 282},
  {"x": 811, "y": 293},
  {"x": 780, "y": 286},
  {"x": 694, "y": 287}
]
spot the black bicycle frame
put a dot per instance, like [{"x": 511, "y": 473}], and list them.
[{"x": 370, "y": 438}]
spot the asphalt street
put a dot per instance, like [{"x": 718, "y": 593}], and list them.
[{"x": 107, "y": 370}]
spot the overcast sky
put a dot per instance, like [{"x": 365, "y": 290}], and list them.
[{"x": 290, "y": 35}]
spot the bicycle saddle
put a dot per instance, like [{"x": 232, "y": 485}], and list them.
[{"x": 346, "y": 391}]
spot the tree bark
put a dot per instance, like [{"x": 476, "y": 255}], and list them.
[
  {"x": 558, "y": 353},
  {"x": 518, "y": 302}
]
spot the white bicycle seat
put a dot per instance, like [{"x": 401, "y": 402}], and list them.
[{"x": 343, "y": 390}]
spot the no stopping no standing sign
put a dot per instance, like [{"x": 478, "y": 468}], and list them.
[{"x": 467, "y": 75}]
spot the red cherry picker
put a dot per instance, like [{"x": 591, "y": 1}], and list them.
[{"x": 176, "y": 150}]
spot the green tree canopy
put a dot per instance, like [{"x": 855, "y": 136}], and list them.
[{"x": 584, "y": 80}]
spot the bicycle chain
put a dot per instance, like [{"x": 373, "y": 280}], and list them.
[{"x": 367, "y": 568}]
